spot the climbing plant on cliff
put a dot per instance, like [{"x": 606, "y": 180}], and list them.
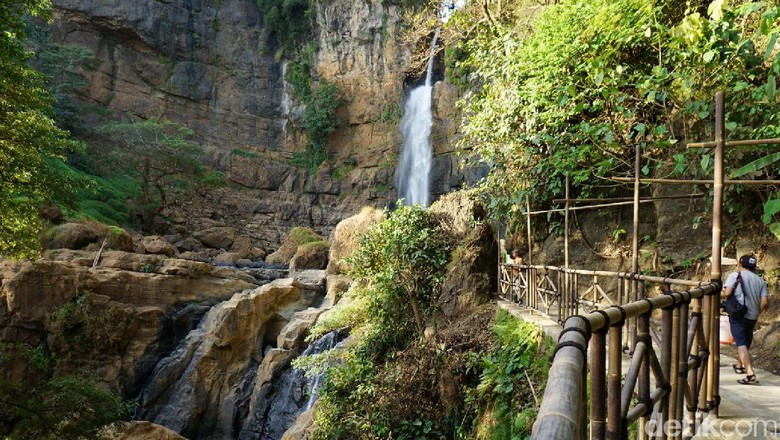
[
  {"x": 30, "y": 143},
  {"x": 573, "y": 87}
]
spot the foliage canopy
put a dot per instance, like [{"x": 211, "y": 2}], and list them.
[
  {"x": 575, "y": 90},
  {"x": 31, "y": 145}
]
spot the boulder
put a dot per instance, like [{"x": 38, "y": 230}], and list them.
[
  {"x": 114, "y": 320},
  {"x": 337, "y": 285},
  {"x": 141, "y": 430},
  {"x": 245, "y": 249},
  {"x": 298, "y": 236},
  {"x": 346, "y": 237},
  {"x": 188, "y": 244},
  {"x": 295, "y": 332},
  {"x": 51, "y": 212},
  {"x": 157, "y": 245},
  {"x": 310, "y": 256},
  {"x": 456, "y": 212},
  {"x": 303, "y": 427},
  {"x": 220, "y": 358},
  {"x": 226, "y": 258},
  {"x": 87, "y": 234},
  {"x": 217, "y": 237},
  {"x": 472, "y": 275},
  {"x": 70, "y": 236}
]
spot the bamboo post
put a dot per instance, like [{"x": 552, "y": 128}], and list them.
[
  {"x": 682, "y": 360},
  {"x": 566, "y": 290},
  {"x": 598, "y": 390},
  {"x": 674, "y": 368},
  {"x": 615, "y": 425},
  {"x": 667, "y": 336},
  {"x": 643, "y": 395},
  {"x": 632, "y": 331},
  {"x": 531, "y": 281},
  {"x": 715, "y": 274}
]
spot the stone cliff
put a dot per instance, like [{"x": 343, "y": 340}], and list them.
[{"x": 213, "y": 66}]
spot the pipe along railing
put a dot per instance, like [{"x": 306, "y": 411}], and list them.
[{"x": 683, "y": 379}]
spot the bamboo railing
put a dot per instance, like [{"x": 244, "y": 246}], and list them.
[
  {"x": 681, "y": 353},
  {"x": 683, "y": 381}
]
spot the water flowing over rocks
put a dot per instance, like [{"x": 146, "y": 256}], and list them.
[
  {"x": 231, "y": 376},
  {"x": 212, "y": 66},
  {"x": 146, "y": 303}
]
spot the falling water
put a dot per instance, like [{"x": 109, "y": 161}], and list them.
[
  {"x": 325, "y": 343},
  {"x": 414, "y": 168}
]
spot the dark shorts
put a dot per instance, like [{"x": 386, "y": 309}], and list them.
[{"x": 742, "y": 331}]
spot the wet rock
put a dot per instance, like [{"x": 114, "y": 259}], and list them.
[
  {"x": 220, "y": 358},
  {"x": 188, "y": 244}
]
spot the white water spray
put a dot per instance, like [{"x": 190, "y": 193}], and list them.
[{"x": 414, "y": 169}]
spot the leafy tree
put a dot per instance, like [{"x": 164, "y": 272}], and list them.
[
  {"x": 161, "y": 157},
  {"x": 575, "y": 91},
  {"x": 402, "y": 259},
  {"x": 67, "y": 407},
  {"x": 31, "y": 144}
]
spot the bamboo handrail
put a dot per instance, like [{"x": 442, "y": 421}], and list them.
[
  {"x": 629, "y": 199},
  {"x": 562, "y": 406},
  {"x": 740, "y": 143},
  {"x": 696, "y": 181},
  {"x": 622, "y": 275}
]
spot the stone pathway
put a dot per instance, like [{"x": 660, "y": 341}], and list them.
[{"x": 747, "y": 412}]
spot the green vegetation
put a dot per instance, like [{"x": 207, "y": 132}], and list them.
[
  {"x": 402, "y": 260},
  {"x": 63, "y": 66},
  {"x": 289, "y": 20},
  {"x": 160, "y": 157},
  {"x": 319, "y": 119},
  {"x": 44, "y": 407},
  {"x": 243, "y": 153},
  {"x": 505, "y": 395},
  {"x": 31, "y": 146},
  {"x": 391, "y": 114},
  {"x": 301, "y": 235},
  {"x": 573, "y": 93}
]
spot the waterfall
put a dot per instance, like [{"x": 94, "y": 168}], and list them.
[
  {"x": 414, "y": 168},
  {"x": 325, "y": 343}
]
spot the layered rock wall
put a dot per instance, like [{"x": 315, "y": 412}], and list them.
[{"x": 213, "y": 66}]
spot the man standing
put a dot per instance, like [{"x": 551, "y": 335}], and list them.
[{"x": 749, "y": 289}]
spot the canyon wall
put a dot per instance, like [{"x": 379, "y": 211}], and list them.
[{"x": 213, "y": 66}]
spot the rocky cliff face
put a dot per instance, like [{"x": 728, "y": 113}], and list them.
[
  {"x": 118, "y": 319},
  {"x": 210, "y": 64},
  {"x": 206, "y": 64}
]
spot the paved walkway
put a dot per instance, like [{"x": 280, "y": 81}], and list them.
[{"x": 746, "y": 412}]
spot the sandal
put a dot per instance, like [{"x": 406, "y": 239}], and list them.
[
  {"x": 748, "y": 380},
  {"x": 738, "y": 370}
]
